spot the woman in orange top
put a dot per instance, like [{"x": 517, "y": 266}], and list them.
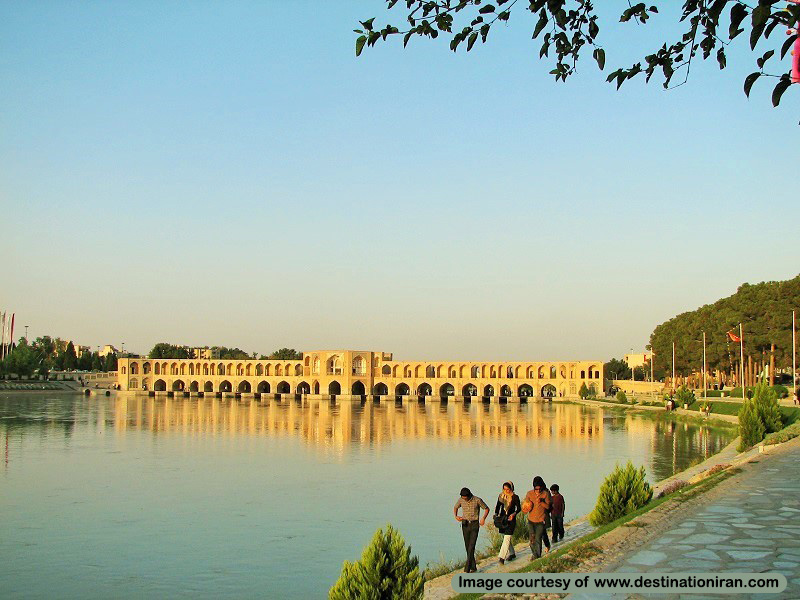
[{"x": 536, "y": 505}]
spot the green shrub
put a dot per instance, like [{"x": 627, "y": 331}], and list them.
[
  {"x": 386, "y": 570},
  {"x": 623, "y": 491},
  {"x": 621, "y": 397},
  {"x": 769, "y": 413},
  {"x": 784, "y": 435},
  {"x": 684, "y": 396},
  {"x": 751, "y": 429},
  {"x": 583, "y": 392},
  {"x": 781, "y": 390}
]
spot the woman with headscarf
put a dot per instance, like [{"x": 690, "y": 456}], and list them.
[
  {"x": 537, "y": 506},
  {"x": 505, "y": 516}
]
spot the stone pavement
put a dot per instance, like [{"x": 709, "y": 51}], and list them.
[{"x": 750, "y": 523}]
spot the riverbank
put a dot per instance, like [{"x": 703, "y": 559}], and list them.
[
  {"x": 39, "y": 386},
  {"x": 578, "y": 531}
]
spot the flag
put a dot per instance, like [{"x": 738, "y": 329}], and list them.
[
  {"x": 11, "y": 337},
  {"x": 733, "y": 337}
]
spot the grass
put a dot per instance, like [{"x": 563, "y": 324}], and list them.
[{"x": 567, "y": 557}]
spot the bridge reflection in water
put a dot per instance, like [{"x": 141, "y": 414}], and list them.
[{"x": 346, "y": 423}]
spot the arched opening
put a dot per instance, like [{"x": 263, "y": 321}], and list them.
[
  {"x": 402, "y": 389},
  {"x": 563, "y": 371},
  {"x": 298, "y": 370},
  {"x": 220, "y": 369},
  {"x": 183, "y": 368},
  {"x": 407, "y": 372},
  {"x": 470, "y": 390},
  {"x": 303, "y": 388},
  {"x": 244, "y": 387},
  {"x": 430, "y": 371},
  {"x": 334, "y": 365},
  {"x": 510, "y": 373},
  {"x": 358, "y": 389},
  {"x": 160, "y": 385},
  {"x": 134, "y": 368},
  {"x": 177, "y": 385},
  {"x": 307, "y": 361},
  {"x": 381, "y": 389},
  {"x": 488, "y": 391},
  {"x": 191, "y": 369},
  {"x": 134, "y": 384},
  {"x": 424, "y": 389},
  {"x": 540, "y": 373},
  {"x": 208, "y": 386},
  {"x": 583, "y": 374},
  {"x": 259, "y": 370},
  {"x": 359, "y": 366},
  {"x": 548, "y": 391},
  {"x": 593, "y": 389},
  {"x": 553, "y": 372},
  {"x": 475, "y": 372},
  {"x": 525, "y": 391},
  {"x": 248, "y": 369},
  {"x": 386, "y": 370},
  {"x": 492, "y": 373},
  {"x": 316, "y": 387},
  {"x": 145, "y": 383},
  {"x": 334, "y": 389},
  {"x": 194, "y": 386},
  {"x": 157, "y": 370},
  {"x": 447, "y": 390},
  {"x": 267, "y": 370},
  {"x": 283, "y": 388},
  {"x": 505, "y": 391},
  {"x": 279, "y": 370},
  {"x": 263, "y": 387},
  {"x": 316, "y": 366},
  {"x": 225, "y": 386}
]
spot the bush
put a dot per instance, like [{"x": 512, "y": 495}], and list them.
[
  {"x": 765, "y": 401},
  {"x": 386, "y": 570},
  {"x": 672, "y": 487},
  {"x": 684, "y": 396},
  {"x": 781, "y": 390},
  {"x": 583, "y": 392},
  {"x": 623, "y": 491},
  {"x": 751, "y": 429},
  {"x": 784, "y": 435},
  {"x": 717, "y": 468},
  {"x": 621, "y": 397}
]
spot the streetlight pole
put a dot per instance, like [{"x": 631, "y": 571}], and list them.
[
  {"x": 794, "y": 354},
  {"x": 705, "y": 385},
  {"x": 26, "y": 333},
  {"x": 122, "y": 351}
]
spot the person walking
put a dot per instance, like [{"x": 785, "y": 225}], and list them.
[
  {"x": 557, "y": 506},
  {"x": 470, "y": 506},
  {"x": 505, "y": 518},
  {"x": 536, "y": 505}
]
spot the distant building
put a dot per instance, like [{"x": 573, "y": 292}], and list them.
[
  {"x": 640, "y": 359},
  {"x": 108, "y": 349},
  {"x": 205, "y": 353}
]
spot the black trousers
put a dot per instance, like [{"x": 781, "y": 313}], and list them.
[
  {"x": 536, "y": 532},
  {"x": 558, "y": 528},
  {"x": 470, "y": 529}
]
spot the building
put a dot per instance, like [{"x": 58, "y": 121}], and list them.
[
  {"x": 108, "y": 349},
  {"x": 360, "y": 373},
  {"x": 204, "y": 353},
  {"x": 641, "y": 359}
]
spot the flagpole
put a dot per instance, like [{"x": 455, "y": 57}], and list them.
[
  {"x": 3, "y": 336},
  {"x": 705, "y": 386},
  {"x": 673, "y": 365},
  {"x": 741, "y": 358},
  {"x": 794, "y": 356}
]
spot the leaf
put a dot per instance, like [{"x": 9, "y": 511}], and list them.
[
  {"x": 755, "y": 35},
  {"x": 788, "y": 44},
  {"x": 362, "y": 39},
  {"x": 767, "y": 55},
  {"x": 489, "y": 8},
  {"x": 721, "y": 58},
  {"x": 471, "y": 41},
  {"x": 781, "y": 87},
  {"x": 749, "y": 81},
  {"x": 540, "y": 24},
  {"x": 738, "y": 13},
  {"x": 600, "y": 56},
  {"x": 760, "y": 15}
]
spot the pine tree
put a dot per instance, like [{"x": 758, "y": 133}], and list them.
[
  {"x": 70, "y": 358},
  {"x": 583, "y": 392},
  {"x": 623, "y": 491},
  {"x": 751, "y": 429},
  {"x": 765, "y": 400},
  {"x": 386, "y": 570}
]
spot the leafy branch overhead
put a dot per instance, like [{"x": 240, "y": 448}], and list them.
[{"x": 569, "y": 28}]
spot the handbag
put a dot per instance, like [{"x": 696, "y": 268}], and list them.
[{"x": 499, "y": 520}]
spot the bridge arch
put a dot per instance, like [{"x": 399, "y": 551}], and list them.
[
  {"x": 525, "y": 391},
  {"x": 470, "y": 390},
  {"x": 402, "y": 389},
  {"x": 160, "y": 385},
  {"x": 447, "y": 390},
  {"x": 263, "y": 387},
  {"x": 225, "y": 386},
  {"x": 244, "y": 387},
  {"x": 178, "y": 385},
  {"x": 334, "y": 388},
  {"x": 381, "y": 389},
  {"x": 283, "y": 388},
  {"x": 548, "y": 390},
  {"x": 488, "y": 391},
  {"x": 208, "y": 386},
  {"x": 424, "y": 389},
  {"x": 505, "y": 391},
  {"x": 358, "y": 389},
  {"x": 194, "y": 386},
  {"x": 303, "y": 388}
]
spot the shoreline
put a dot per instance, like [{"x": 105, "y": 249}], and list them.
[{"x": 439, "y": 588}]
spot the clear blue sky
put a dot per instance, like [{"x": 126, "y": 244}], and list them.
[{"x": 230, "y": 173}]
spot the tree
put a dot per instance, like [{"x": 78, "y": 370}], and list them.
[
  {"x": 623, "y": 491},
  {"x": 386, "y": 570},
  {"x": 617, "y": 369},
  {"x": 110, "y": 362},
  {"x": 85, "y": 361},
  {"x": 286, "y": 354},
  {"x": 765, "y": 401},
  {"x": 572, "y": 27},
  {"x": 70, "y": 358},
  {"x": 165, "y": 350},
  {"x": 22, "y": 361},
  {"x": 583, "y": 392},
  {"x": 97, "y": 362},
  {"x": 751, "y": 429}
]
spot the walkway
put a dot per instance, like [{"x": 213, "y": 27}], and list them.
[{"x": 749, "y": 523}]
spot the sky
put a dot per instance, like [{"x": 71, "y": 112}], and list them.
[{"x": 231, "y": 174}]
